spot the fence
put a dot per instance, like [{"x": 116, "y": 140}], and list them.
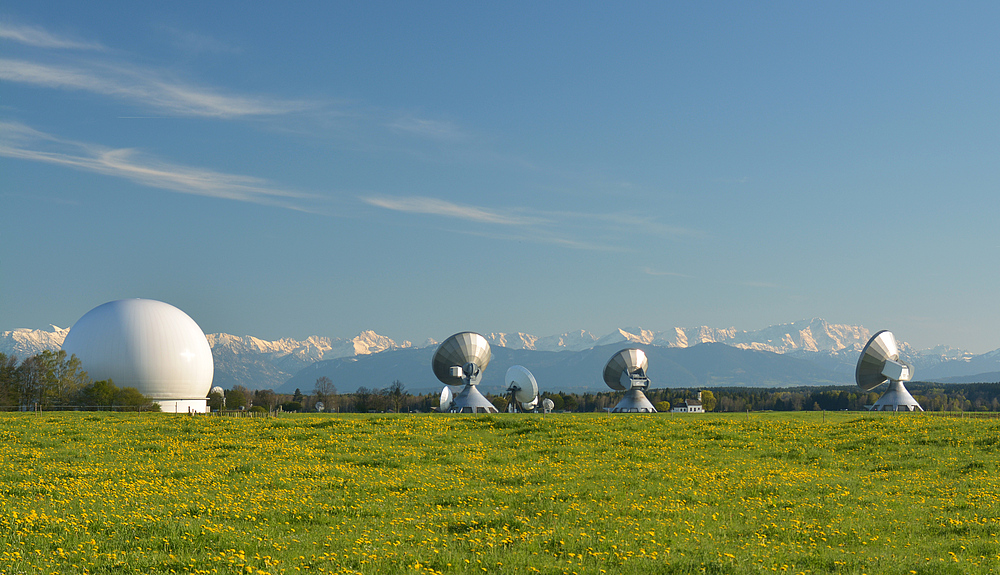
[
  {"x": 38, "y": 408},
  {"x": 239, "y": 413},
  {"x": 969, "y": 414}
]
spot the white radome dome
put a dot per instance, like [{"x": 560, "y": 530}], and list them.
[{"x": 149, "y": 345}]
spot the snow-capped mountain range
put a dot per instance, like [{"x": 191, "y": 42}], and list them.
[
  {"x": 259, "y": 363},
  {"x": 27, "y": 342},
  {"x": 814, "y": 335}
]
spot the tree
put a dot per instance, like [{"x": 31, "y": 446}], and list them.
[
  {"x": 662, "y": 406},
  {"x": 363, "y": 399},
  {"x": 265, "y": 397},
  {"x": 8, "y": 380},
  {"x": 498, "y": 401},
  {"x": 298, "y": 397},
  {"x": 101, "y": 393},
  {"x": 397, "y": 395},
  {"x": 131, "y": 397},
  {"x": 707, "y": 400},
  {"x": 64, "y": 376},
  {"x": 324, "y": 390},
  {"x": 236, "y": 398},
  {"x": 569, "y": 402},
  {"x": 215, "y": 401}
]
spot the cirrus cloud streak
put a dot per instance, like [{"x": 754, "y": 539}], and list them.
[{"x": 25, "y": 143}]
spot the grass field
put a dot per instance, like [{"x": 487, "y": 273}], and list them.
[{"x": 570, "y": 493}]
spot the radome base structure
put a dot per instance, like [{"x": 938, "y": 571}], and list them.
[
  {"x": 460, "y": 361},
  {"x": 635, "y": 401},
  {"x": 470, "y": 400},
  {"x": 896, "y": 398},
  {"x": 879, "y": 362}
]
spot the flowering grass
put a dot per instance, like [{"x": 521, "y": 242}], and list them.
[{"x": 568, "y": 493}]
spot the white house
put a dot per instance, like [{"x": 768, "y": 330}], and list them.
[{"x": 688, "y": 406}]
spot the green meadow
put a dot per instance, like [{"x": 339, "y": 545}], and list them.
[{"x": 803, "y": 492}]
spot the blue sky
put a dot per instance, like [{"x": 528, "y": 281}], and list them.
[{"x": 424, "y": 168}]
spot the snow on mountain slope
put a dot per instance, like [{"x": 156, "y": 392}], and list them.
[
  {"x": 815, "y": 335},
  {"x": 261, "y": 364},
  {"x": 572, "y": 341},
  {"x": 24, "y": 343}
]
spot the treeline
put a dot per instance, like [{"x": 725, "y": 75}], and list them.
[
  {"x": 395, "y": 398},
  {"x": 931, "y": 396},
  {"x": 50, "y": 380}
]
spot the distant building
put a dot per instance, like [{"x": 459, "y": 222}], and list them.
[{"x": 688, "y": 406}]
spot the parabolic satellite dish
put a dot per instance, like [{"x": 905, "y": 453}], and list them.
[
  {"x": 460, "y": 360},
  {"x": 547, "y": 405},
  {"x": 879, "y": 362},
  {"x": 531, "y": 405},
  {"x": 447, "y": 398},
  {"x": 521, "y": 388},
  {"x": 626, "y": 371}
]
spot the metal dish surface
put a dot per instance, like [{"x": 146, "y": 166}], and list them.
[
  {"x": 881, "y": 347},
  {"x": 519, "y": 377},
  {"x": 458, "y": 350},
  {"x": 628, "y": 361}
]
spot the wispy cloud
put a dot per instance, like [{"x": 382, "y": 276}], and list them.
[
  {"x": 659, "y": 273},
  {"x": 578, "y": 230},
  {"x": 145, "y": 88},
  {"x": 629, "y": 222},
  {"x": 436, "y": 207},
  {"x": 41, "y": 38},
  {"x": 23, "y": 142},
  {"x": 434, "y": 129},
  {"x": 194, "y": 43},
  {"x": 73, "y": 65}
]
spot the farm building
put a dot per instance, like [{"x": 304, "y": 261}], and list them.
[{"x": 688, "y": 406}]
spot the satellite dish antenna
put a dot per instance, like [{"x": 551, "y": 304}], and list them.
[
  {"x": 531, "y": 405},
  {"x": 879, "y": 362},
  {"x": 521, "y": 388},
  {"x": 320, "y": 406},
  {"x": 217, "y": 389},
  {"x": 547, "y": 405},
  {"x": 626, "y": 371},
  {"x": 447, "y": 398},
  {"x": 460, "y": 361}
]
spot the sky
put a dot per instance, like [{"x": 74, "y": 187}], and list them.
[{"x": 418, "y": 169}]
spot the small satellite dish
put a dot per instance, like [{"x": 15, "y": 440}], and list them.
[
  {"x": 218, "y": 390},
  {"x": 521, "y": 387},
  {"x": 319, "y": 406},
  {"x": 626, "y": 371},
  {"x": 447, "y": 397},
  {"x": 547, "y": 405},
  {"x": 460, "y": 361},
  {"x": 879, "y": 362}
]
